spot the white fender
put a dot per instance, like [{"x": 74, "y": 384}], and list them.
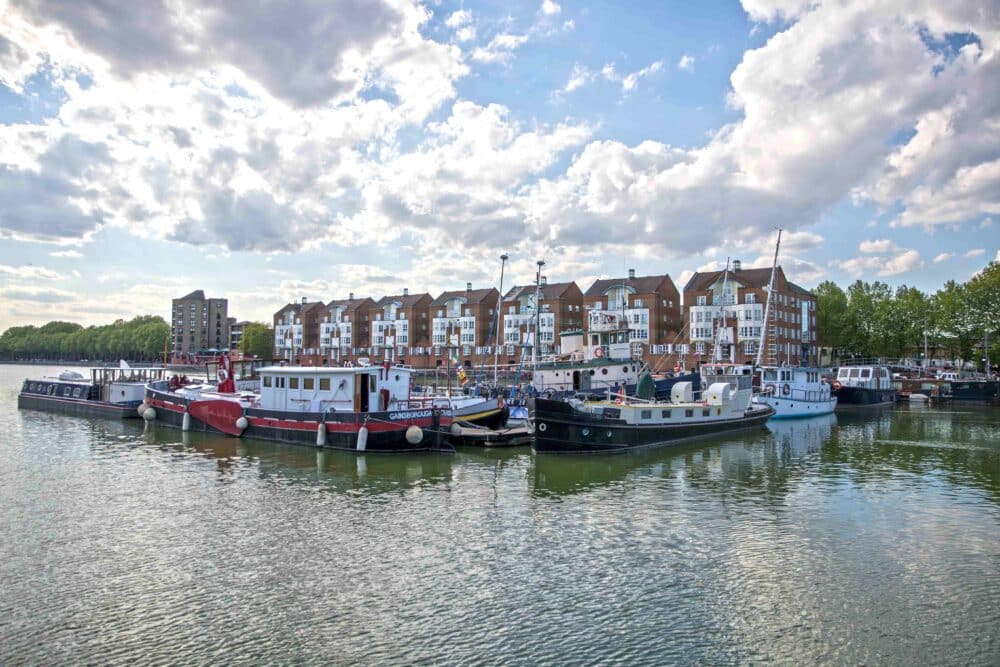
[
  {"x": 186, "y": 421},
  {"x": 321, "y": 434},
  {"x": 414, "y": 435},
  {"x": 362, "y": 438},
  {"x": 142, "y": 408},
  {"x": 242, "y": 423},
  {"x": 456, "y": 430},
  {"x": 149, "y": 415}
]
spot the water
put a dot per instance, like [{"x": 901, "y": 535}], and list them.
[{"x": 864, "y": 539}]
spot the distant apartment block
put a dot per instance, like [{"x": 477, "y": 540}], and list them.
[
  {"x": 199, "y": 326},
  {"x": 650, "y": 306},
  {"x": 560, "y": 308},
  {"x": 462, "y": 321}
]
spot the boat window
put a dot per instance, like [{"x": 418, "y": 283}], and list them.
[
  {"x": 689, "y": 413},
  {"x": 293, "y": 383},
  {"x": 67, "y": 391},
  {"x": 279, "y": 383},
  {"x": 705, "y": 412},
  {"x": 865, "y": 373},
  {"x": 591, "y": 371},
  {"x": 308, "y": 383},
  {"x": 324, "y": 384},
  {"x": 79, "y": 390},
  {"x": 646, "y": 414},
  {"x": 604, "y": 371},
  {"x": 371, "y": 382},
  {"x": 665, "y": 414},
  {"x": 625, "y": 369},
  {"x": 844, "y": 372},
  {"x": 854, "y": 372},
  {"x": 267, "y": 380}
]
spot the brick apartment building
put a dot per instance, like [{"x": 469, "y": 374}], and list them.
[
  {"x": 740, "y": 296},
  {"x": 404, "y": 319},
  {"x": 199, "y": 326},
  {"x": 650, "y": 305},
  {"x": 560, "y": 309},
  {"x": 462, "y": 320},
  {"x": 296, "y": 331},
  {"x": 344, "y": 330}
]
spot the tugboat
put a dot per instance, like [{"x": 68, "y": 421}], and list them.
[
  {"x": 364, "y": 408},
  {"x": 108, "y": 392},
  {"x": 621, "y": 423},
  {"x": 863, "y": 387}
]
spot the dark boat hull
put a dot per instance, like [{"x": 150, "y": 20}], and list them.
[
  {"x": 386, "y": 431},
  {"x": 863, "y": 397},
  {"x": 79, "y": 407},
  {"x": 561, "y": 429},
  {"x": 974, "y": 391}
]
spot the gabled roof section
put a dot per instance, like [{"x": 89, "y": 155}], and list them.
[
  {"x": 197, "y": 294},
  {"x": 641, "y": 285},
  {"x": 799, "y": 290},
  {"x": 549, "y": 291},
  {"x": 472, "y": 296},
  {"x": 351, "y": 304},
  {"x": 405, "y": 301},
  {"x": 746, "y": 277}
]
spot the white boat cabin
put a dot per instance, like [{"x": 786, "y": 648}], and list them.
[
  {"x": 326, "y": 389},
  {"x": 720, "y": 402},
  {"x": 794, "y": 383},
  {"x": 867, "y": 377}
]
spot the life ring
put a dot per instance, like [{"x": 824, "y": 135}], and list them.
[
  {"x": 598, "y": 351},
  {"x": 222, "y": 375},
  {"x": 785, "y": 389},
  {"x": 677, "y": 368},
  {"x": 769, "y": 389}
]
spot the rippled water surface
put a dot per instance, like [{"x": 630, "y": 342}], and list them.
[{"x": 865, "y": 539}]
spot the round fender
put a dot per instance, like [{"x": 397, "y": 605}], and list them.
[{"x": 414, "y": 435}]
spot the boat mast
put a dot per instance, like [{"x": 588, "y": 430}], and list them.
[
  {"x": 538, "y": 311},
  {"x": 722, "y": 316},
  {"x": 496, "y": 351},
  {"x": 767, "y": 305}
]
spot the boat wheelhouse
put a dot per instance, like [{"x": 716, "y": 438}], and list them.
[
  {"x": 628, "y": 423},
  {"x": 795, "y": 392},
  {"x": 107, "y": 392},
  {"x": 863, "y": 386}
]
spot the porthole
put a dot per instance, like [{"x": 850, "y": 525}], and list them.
[
  {"x": 397, "y": 377},
  {"x": 585, "y": 432},
  {"x": 591, "y": 371},
  {"x": 625, "y": 369},
  {"x": 542, "y": 427},
  {"x": 608, "y": 434},
  {"x": 604, "y": 371}
]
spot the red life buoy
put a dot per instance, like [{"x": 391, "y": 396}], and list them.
[
  {"x": 785, "y": 389},
  {"x": 598, "y": 351},
  {"x": 769, "y": 389},
  {"x": 222, "y": 375}
]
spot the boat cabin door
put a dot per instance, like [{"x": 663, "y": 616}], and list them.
[{"x": 362, "y": 392}]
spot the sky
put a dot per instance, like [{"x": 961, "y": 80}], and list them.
[{"x": 270, "y": 151}]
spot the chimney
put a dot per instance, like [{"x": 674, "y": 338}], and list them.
[
  {"x": 631, "y": 274},
  {"x": 737, "y": 265},
  {"x": 468, "y": 287},
  {"x": 304, "y": 301},
  {"x": 350, "y": 297},
  {"x": 545, "y": 280},
  {"x": 406, "y": 291}
]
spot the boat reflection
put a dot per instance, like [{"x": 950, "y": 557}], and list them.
[{"x": 331, "y": 470}]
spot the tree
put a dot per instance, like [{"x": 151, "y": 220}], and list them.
[
  {"x": 831, "y": 315},
  {"x": 257, "y": 340}
]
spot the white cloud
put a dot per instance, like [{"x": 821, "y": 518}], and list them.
[
  {"x": 875, "y": 247},
  {"x": 986, "y": 223},
  {"x": 686, "y": 63},
  {"x": 996, "y": 258},
  {"x": 459, "y": 18},
  {"x": 500, "y": 49},
  {"x": 67, "y": 254},
  {"x": 631, "y": 80},
  {"x": 976, "y": 252},
  {"x": 578, "y": 78},
  {"x": 883, "y": 265},
  {"x": 943, "y": 257},
  {"x": 550, "y": 8},
  {"x": 29, "y": 272}
]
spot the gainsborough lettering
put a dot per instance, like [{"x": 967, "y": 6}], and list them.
[{"x": 416, "y": 414}]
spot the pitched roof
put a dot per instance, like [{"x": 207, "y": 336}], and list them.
[
  {"x": 549, "y": 291},
  {"x": 351, "y": 304},
  {"x": 641, "y": 285},
  {"x": 197, "y": 294},
  {"x": 797, "y": 288},
  {"x": 472, "y": 296},
  {"x": 406, "y": 301},
  {"x": 748, "y": 277}
]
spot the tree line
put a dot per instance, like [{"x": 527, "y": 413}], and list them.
[
  {"x": 144, "y": 338},
  {"x": 874, "y": 320}
]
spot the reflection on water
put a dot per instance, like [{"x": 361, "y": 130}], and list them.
[{"x": 870, "y": 537}]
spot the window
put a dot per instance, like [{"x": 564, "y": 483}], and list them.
[
  {"x": 689, "y": 413},
  {"x": 750, "y": 298},
  {"x": 293, "y": 383},
  {"x": 324, "y": 384},
  {"x": 279, "y": 383},
  {"x": 705, "y": 412},
  {"x": 646, "y": 414},
  {"x": 267, "y": 380},
  {"x": 702, "y": 300}
]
